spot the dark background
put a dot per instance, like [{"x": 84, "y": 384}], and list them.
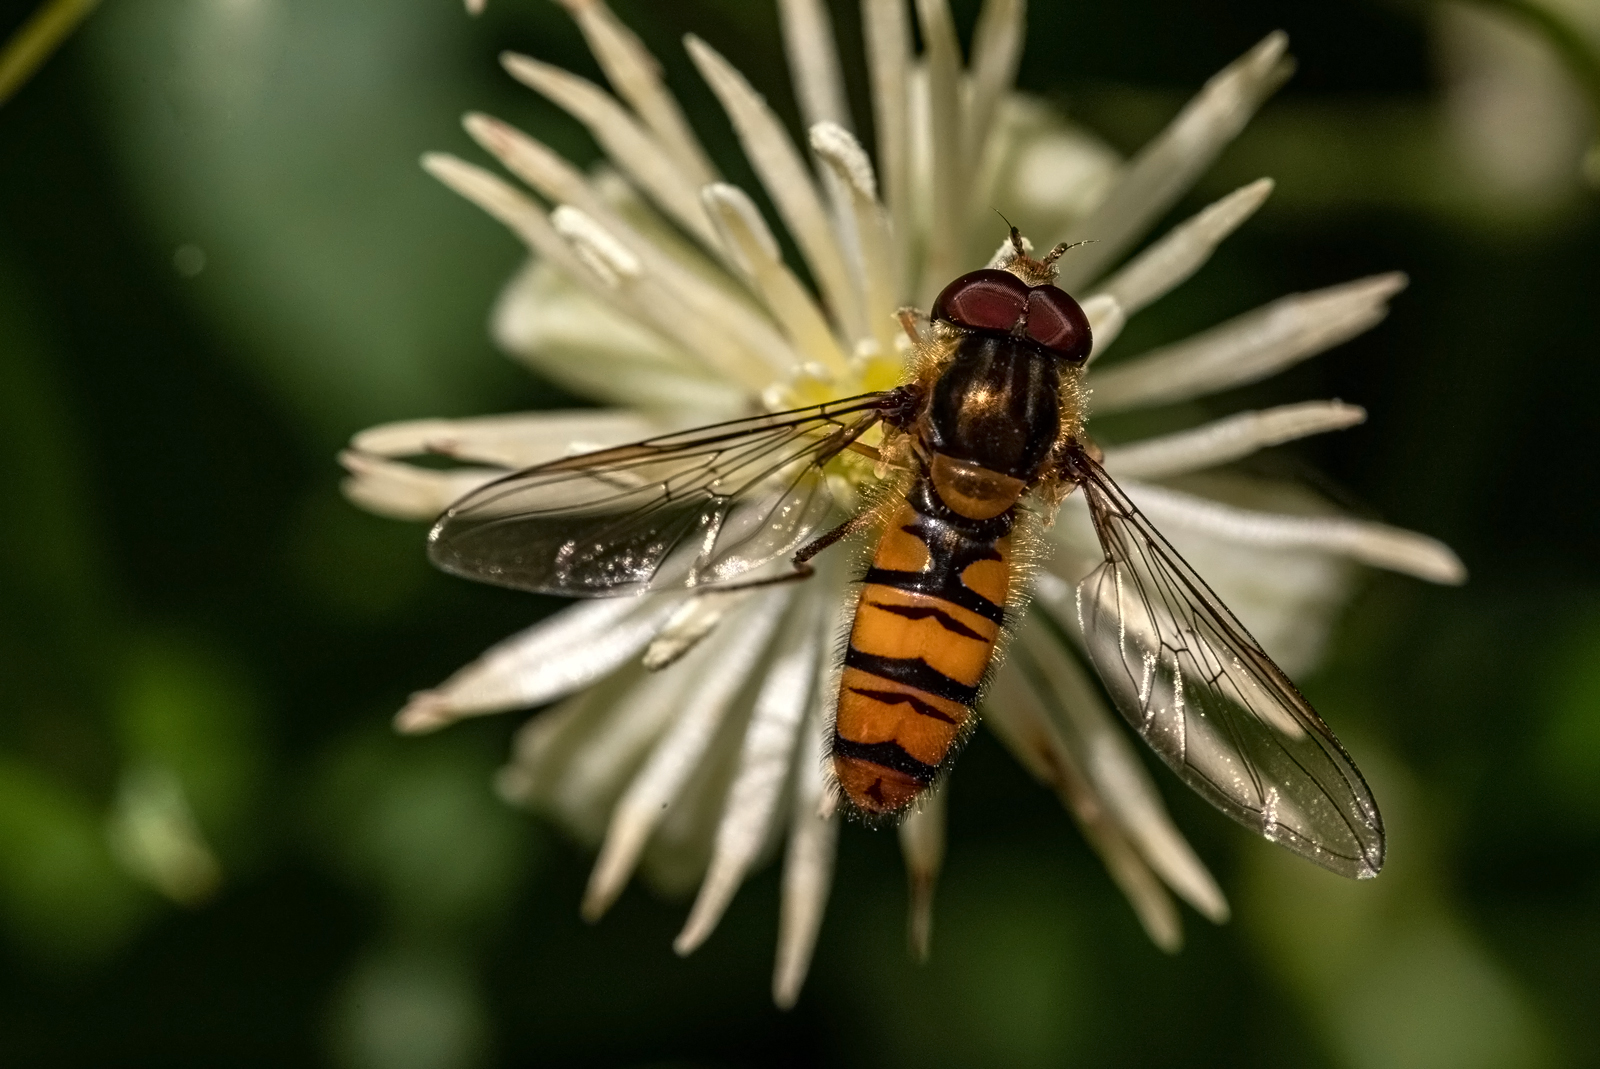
[{"x": 181, "y": 587}]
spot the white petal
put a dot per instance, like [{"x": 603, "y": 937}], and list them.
[
  {"x": 675, "y": 757},
  {"x": 888, "y": 43},
  {"x": 632, "y": 147},
  {"x": 518, "y": 440},
  {"x": 948, "y": 166},
  {"x": 1247, "y": 348},
  {"x": 636, "y": 76},
  {"x": 1110, "y": 763},
  {"x": 563, "y": 329},
  {"x": 764, "y": 762},
  {"x": 1169, "y": 164},
  {"x": 839, "y": 149},
  {"x": 1375, "y": 544},
  {"x": 1184, "y": 248},
  {"x": 1022, "y": 719},
  {"x": 1228, "y": 439},
  {"x": 783, "y": 174},
  {"x": 549, "y": 660},
  {"x": 752, "y": 246},
  {"x": 405, "y": 491},
  {"x": 996, "y": 50},
  {"x": 807, "y": 866},
  {"x": 922, "y": 837}
]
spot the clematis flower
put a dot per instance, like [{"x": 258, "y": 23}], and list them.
[{"x": 689, "y": 738}]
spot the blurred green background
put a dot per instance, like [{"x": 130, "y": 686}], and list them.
[{"x": 218, "y": 259}]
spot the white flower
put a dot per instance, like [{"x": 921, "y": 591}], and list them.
[{"x": 661, "y": 290}]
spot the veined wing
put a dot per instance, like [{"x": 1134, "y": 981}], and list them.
[
  {"x": 1189, "y": 678},
  {"x": 697, "y": 508}
]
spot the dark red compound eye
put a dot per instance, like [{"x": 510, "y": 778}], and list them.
[
  {"x": 995, "y": 300},
  {"x": 1057, "y": 322},
  {"x": 983, "y": 300}
]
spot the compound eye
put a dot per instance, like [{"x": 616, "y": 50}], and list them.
[
  {"x": 1057, "y": 322},
  {"x": 983, "y": 300}
]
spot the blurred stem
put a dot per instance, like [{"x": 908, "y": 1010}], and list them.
[
  {"x": 1575, "y": 50},
  {"x": 37, "y": 38}
]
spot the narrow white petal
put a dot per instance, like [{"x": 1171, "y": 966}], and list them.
[
  {"x": 1375, "y": 544},
  {"x": 1023, "y": 721},
  {"x": 841, "y": 152},
  {"x": 922, "y": 839},
  {"x": 1184, "y": 249},
  {"x": 1228, "y": 439},
  {"x": 634, "y": 149},
  {"x": 675, "y": 757},
  {"x": 1249, "y": 347},
  {"x": 996, "y": 50},
  {"x": 518, "y": 440},
  {"x": 405, "y": 491},
  {"x": 807, "y": 866},
  {"x": 775, "y": 159},
  {"x": 549, "y": 660},
  {"x": 1169, "y": 164},
  {"x": 764, "y": 763},
  {"x": 753, "y": 248},
  {"x": 636, "y": 76},
  {"x": 1108, "y": 760},
  {"x": 888, "y": 42},
  {"x": 813, "y": 62},
  {"x": 949, "y": 167}
]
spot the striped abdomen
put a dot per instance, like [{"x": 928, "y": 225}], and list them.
[{"x": 925, "y": 630}]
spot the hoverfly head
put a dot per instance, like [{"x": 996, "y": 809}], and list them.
[{"x": 1019, "y": 298}]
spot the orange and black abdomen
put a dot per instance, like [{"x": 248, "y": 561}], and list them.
[{"x": 925, "y": 630}]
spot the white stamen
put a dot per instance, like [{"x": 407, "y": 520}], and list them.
[
  {"x": 636, "y": 76},
  {"x": 888, "y": 44},
  {"x": 771, "y": 152},
  {"x": 813, "y": 62},
  {"x": 950, "y": 169},
  {"x": 753, "y": 249},
  {"x": 628, "y": 144},
  {"x": 839, "y": 149},
  {"x": 996, "y": 50},
  {"x": 607, "y": 257}
]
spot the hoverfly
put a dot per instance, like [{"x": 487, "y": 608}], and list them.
[{"x": 984, "y": 439}]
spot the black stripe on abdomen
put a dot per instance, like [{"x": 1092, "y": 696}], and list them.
[
  {"x": 900, "y": 697},
  {"x": 946, "y": 585},
  {"x": 912, "y": 672},
  {"x": 929, "y": 612},
  {"x": 890, "y": 755}
]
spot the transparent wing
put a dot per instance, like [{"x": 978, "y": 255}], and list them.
[
  {"x": 692, "y": 509},
  {"x": 1205, "y": 696}
]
